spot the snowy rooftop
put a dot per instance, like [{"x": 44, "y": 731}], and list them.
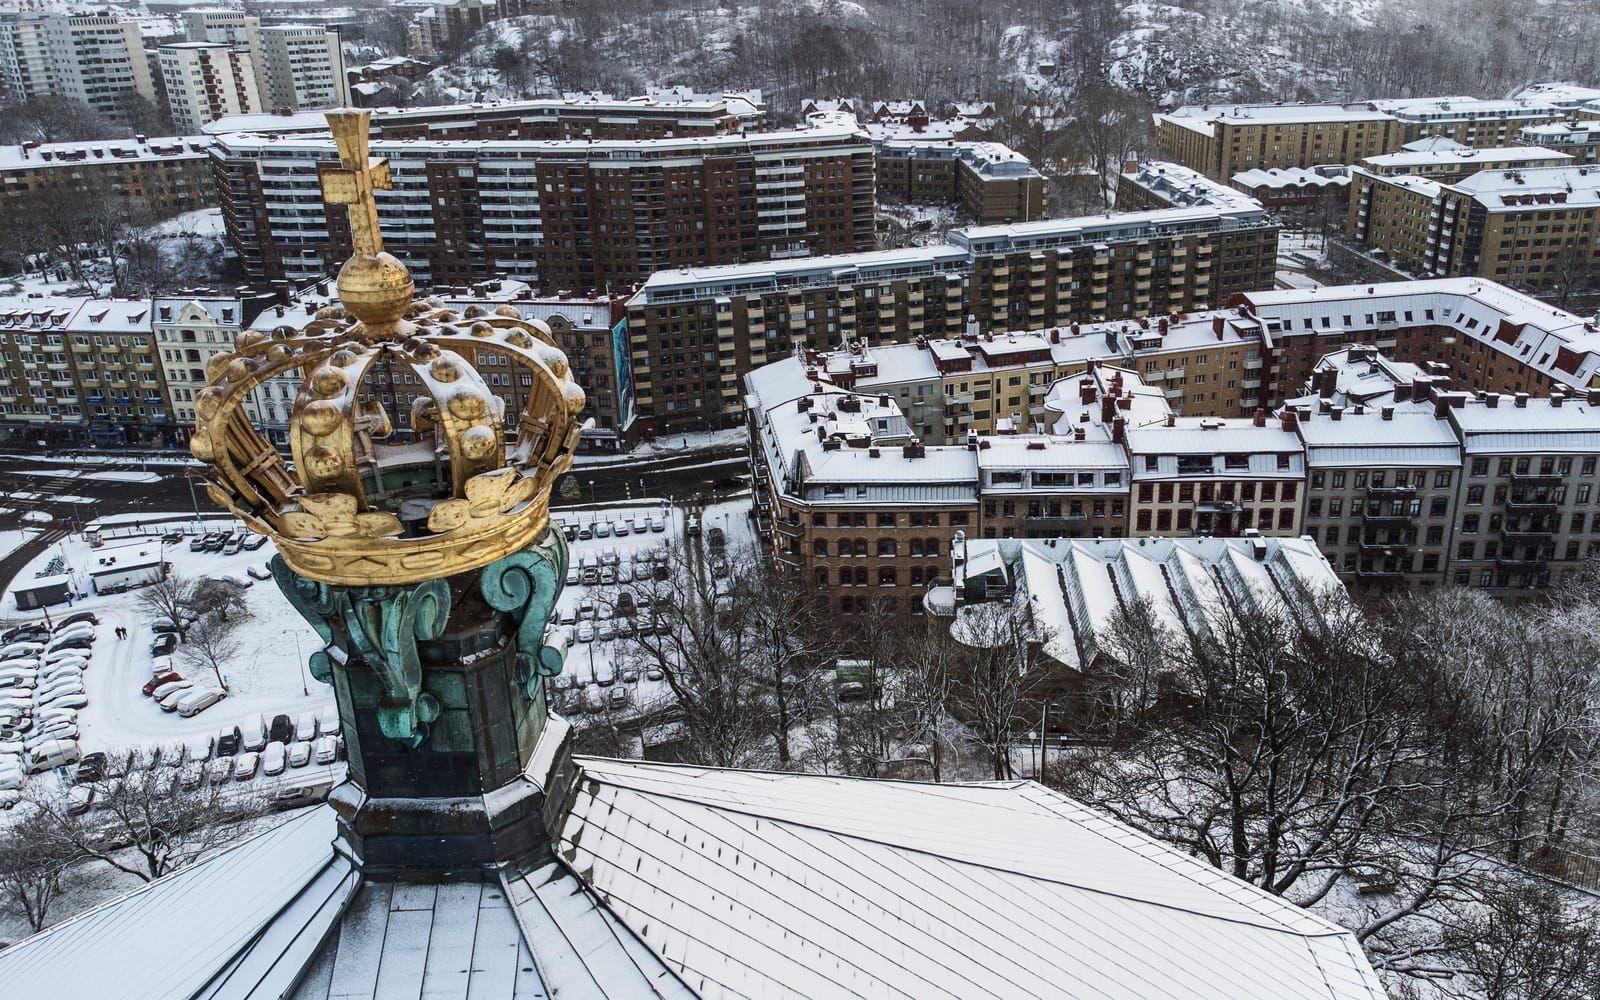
[
  {"x": 1378, "y": 436},
  {"x": 1500, "y": 424},
  {"x": 1178, "y": 185},
  {"x": 66, "y": 154},
  {"x": 814, "y": 885},
  {"x": 1547, "y": 339},
  {"x": 1292, "y": 177},
  {"x": 1074, "y": 589},
  {"x": 1497, "y": 190},
  {"x": 1427, "y": 109},
  {"x": 1566, "y": 94},
  {"x": 1410, "y": 161},
  {"x": 1201, "y": 117},
  {"x": 1415, "y": 183}
]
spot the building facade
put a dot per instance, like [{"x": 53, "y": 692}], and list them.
[
  {"x": 696, "y": 332},
  {"x": 205, "y": 81},
  {"x": 98, "y": 60},
  {"x": 303, "y": 66},
  {"x": 156, "y": 177},
  {"x": 564, "y": 214}
]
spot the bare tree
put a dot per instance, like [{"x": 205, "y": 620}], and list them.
[
  {"x": 34, "y": 855},
  {"x": 788, "y": 639},
  {"x": 1524, "y": 942},
  {"x": 1002, "y": 667},
  {"x": 212, "y": 643},
  {"x": 166, "y": 823},
  {"x": 170, "y": 600},
  {"x": 925, "y": 687},
  {"x": 704, "y": 651}
]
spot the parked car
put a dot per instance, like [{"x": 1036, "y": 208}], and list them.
[
  {"x": 692, "y": 528},
  {"x": 234, "y": 543},
  {"x": 618, "y": 698},
  {"x": 328, "y": 723},
  {"x": 198, "y": 543},
  {"x": 305, "y": 727},
  {"x": 71, "y": 699},
  {"x": 584, "y": 632},
  {"x": 198, "y": 748},
  {"x": 299, "y": 754},
  {"x": 195, "y": 702},
  {"x": 160, "y": 691},
  {"x": 602, "y": 529},
  {"x": 191, "y": 774},
  {"x": 245, "y": 765},
  {"x": 163, "y": 628},
  {"x": 161, "y": 665},
  {"x": 173, "y": 699},
  {"x": 91, "y": 768},
  {"x": 258, "y": 572},
  {"x": 76, "y": 617},
  {"x": 654, "y": 674},
  {"x": 164, "y": 645},
  {"x": 253, "y": 733},
  {"x": 228, "y": 741},
  {"x": 219, "y": 769},
  {"x": 281, "y": 728},
  {"x": 150, "y": 686},
  {"x": 326, "y": 749},
  {"x": 658, "y": 523},
  {"x": 19, "y": 680},
  {"x": 593, "y": 700},
  {"x": 585, "y": 533},
  {"x": 254, "y": 542},
  {"x": 79, "y": 799},
  {"x": 604, "y": 674},
  {"x": 274, "y": 758},
  {"x": 623, "y": 529},
  {"x": 54, "y": 753}
]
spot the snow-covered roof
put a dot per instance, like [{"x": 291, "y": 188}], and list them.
[
  {"x": 1279, "y": 178},
  {"x": 1533, "y": 333},
  {"x": 43, "y": 156},
  {"x": 1434, "y": 109},
  {"x": 1379, "y": 436},
  {"x": 1180, "y": 186},
  {"x": 1420, "y": 161},
  {"x": 1201, "y": 117},
  {"x": 1563, "y": 95},
  {"x": 1571, "y": 185},
  {"x": 676, "y": 284},
  {"x": 1501, "y": 424},
  {"x": 766, "y": 884},
  {"x": 1074, "y": 589}
]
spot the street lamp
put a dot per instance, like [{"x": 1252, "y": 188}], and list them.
[
  {"x": 591, "y": 491},
  {"x": 1044, "y": 721},
  {"x": 195, "y": 500}
]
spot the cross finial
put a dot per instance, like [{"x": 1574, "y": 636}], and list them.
[{"x": 353, "y": 181}]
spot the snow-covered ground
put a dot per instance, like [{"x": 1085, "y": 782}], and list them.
[
  {"x": 589, "y": 662},
  {"x": 668, "y": 445},
  {"x": 267, "y": 677}
]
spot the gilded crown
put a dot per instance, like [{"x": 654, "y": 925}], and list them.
[{"x": 357, "y": 509}]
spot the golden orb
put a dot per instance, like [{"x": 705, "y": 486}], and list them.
[{"x": 375, "y": 288}]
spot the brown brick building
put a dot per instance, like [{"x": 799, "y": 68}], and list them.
[
  {"x": 696, "y": 332},
  {"x": 159, "y": 177},
  {"x": 565, "y": 215}
]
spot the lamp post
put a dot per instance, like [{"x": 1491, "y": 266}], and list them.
[
  {"x": 591, "y": 491},
  {"x": 195, "y": 500},
  {"x": 1044, "y": 721}
]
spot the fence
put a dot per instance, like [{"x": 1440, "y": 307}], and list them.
[{"x": 1567, "y": 866}]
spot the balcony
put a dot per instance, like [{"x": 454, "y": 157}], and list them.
[
  {"x": 1530, "y": 479},
  {"x": 1382, "y": 520},
  {"x": 1403, "y": 491},
  {"x": 1065, "y": 524},
  {"x": 1385, "y": 571},
  {"x": 1532, "y": 505},
  {"x": 1525, "y": 562}
]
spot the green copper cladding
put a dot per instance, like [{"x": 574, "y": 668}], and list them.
[{"x": 525, "y": 585}]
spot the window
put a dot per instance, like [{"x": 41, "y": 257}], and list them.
[
  {"x": 1480, "y": 467},
  {"x": 1469, "y": 524},
  {"x": 885, "y": 547},
  {"x": 1142, "y": 522},
  {"x": 1338, "y": 480},
  {"x": 1475, "y": 496},
  {"x": 1441, "y": 479}
]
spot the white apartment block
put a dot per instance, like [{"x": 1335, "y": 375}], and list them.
[
  {"x": 24, "y": 57},
  {"x": 304, "y": 68},
  {"x": 98, "y": 60},
  {"x": 206, "y": 81}
]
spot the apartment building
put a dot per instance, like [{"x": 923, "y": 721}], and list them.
[
  {"x": 1152, "y": 184},
  {"x": 564, "y": 214},
  {"x": 1534, "y": 228},
  {"x": 695, "y": 332},
  {"x": 1578, "y": 139},
  {"x": 1319, "y": 192},
  {"x": 575, "y": 116},
  {"x": 1484, "y": 334},
  {"x": 24, "y": 57},
  {"x": 206, "y": 80},
  {"x": 160, "y": 177},
  {"x": 1438, "y": 158},
  {"x": 304, "y": 67},
  {"x": 989, "y": 181},
  {"x": 98, "y": 60},
  {"x": 1382, "y": 478},
  {"x": 1225, "y": 139}
]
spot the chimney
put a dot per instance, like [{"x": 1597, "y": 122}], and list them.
[
  {"x": 1124, "y": 402},
  {"x": 1108, "y": 406},
  {"x": 1492, "y": 400},
  {"x": 1055, "y": 335},
  {"x": 1217, "y": 326},
  {"x": 1440, "y": 407},
  {"x": 1556, "y": 399},
  {"x": 1388, "y": 412},
  {"x": 1172, "y": 420},
  {"x": 1336, "y": 412},
  {"x": 1402, "y": 392},
  {"x": 1260, "y": 419},
  {"x": 1522, "y": 400},
  {"x": 1119, "y": 430},
  {"x": 1290, "y": 421},
  {"x": 1327, "y": 382},
  {"x": 1594, "y": 397}
]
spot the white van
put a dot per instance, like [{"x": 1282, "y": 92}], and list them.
[
  {"x": 56, "y": 753},
  {"x": 195, "y": 702}
]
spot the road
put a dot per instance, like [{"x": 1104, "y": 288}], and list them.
[{"x": 78, "y": 493}]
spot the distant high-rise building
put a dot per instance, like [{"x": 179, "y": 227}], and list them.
[
  {"x": 304, "y": 67},
  {"x": 207, "y": 80},
  {"x": 96, "y": 59},
  {"x": 24, "y": 57}
]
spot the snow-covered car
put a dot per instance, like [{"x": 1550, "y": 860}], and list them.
[
  {"x": 193, "y": 703},
  {"x": 299, "y": 754},
  {"x": 197, "y": 748},
  {"x": 328, "y": 722},
  {"x": 326, "y": 749},
  {"x": 259, "y": 572},
  {"x": 245, "y": 765},
  {"x": 274, "y": 758},
  {"x": 19, "y": 681},
  {"x": 584, "y": 632},
  {"x": 219, "y": 769},
  {"x": 191, "y": 774},
  {"x": 160, "y": 693},
  {"x": 305, "y": 727},
  {"x": 174, "y": 699}
]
